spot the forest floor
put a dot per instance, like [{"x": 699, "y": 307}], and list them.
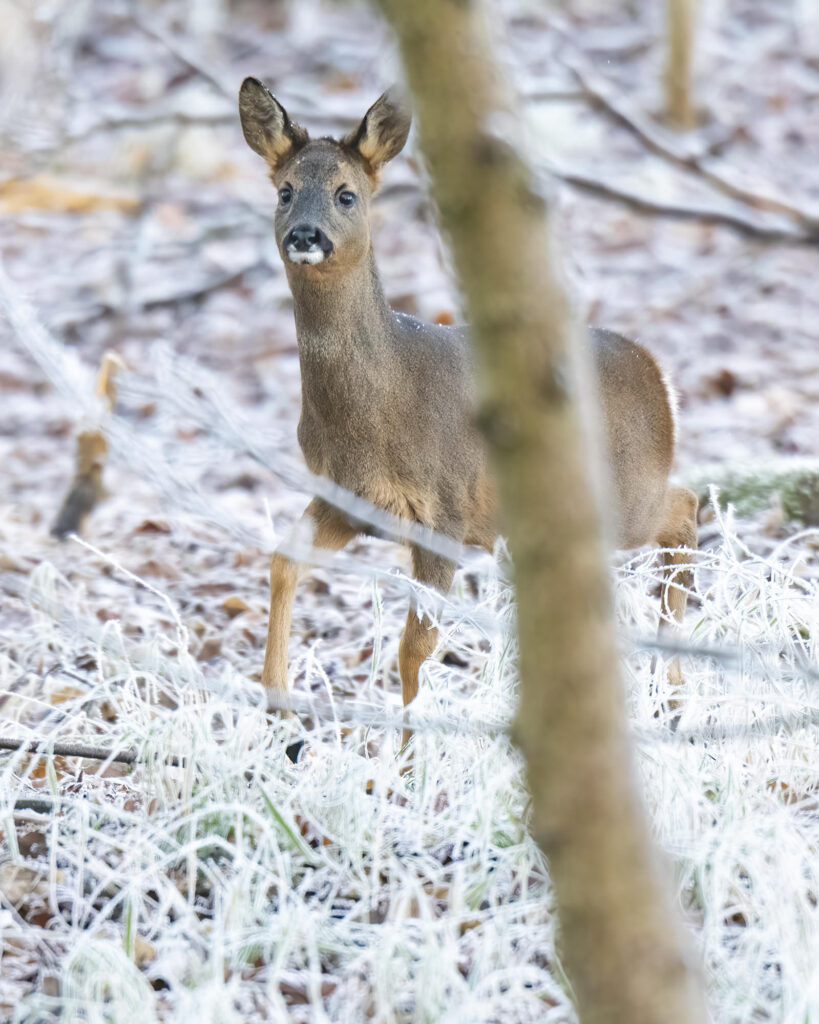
[{"x": 240, "y": 886}]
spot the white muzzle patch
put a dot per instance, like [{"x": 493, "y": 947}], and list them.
[{"x": 315, "y": 254}]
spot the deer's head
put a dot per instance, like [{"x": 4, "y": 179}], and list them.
[{"x": 324, "y": 185}]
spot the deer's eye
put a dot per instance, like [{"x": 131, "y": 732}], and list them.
[
  {"x": 285, "y": 195},
  {"x": 346, "y": 198}
]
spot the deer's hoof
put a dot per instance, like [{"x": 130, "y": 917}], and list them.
[{"x": 293, "y": 750}]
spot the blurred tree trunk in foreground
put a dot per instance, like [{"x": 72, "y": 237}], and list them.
[
  {"x": 680, "y": 25},
  {"x": 807, "y": 15},
  {"x": 621, "y": 943}
]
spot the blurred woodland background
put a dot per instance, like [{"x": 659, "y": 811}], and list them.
[
  {"x": 133, "y": 213},
  {"x": 133, "y": 218}
]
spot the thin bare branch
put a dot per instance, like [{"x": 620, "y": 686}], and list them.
[
  {"x": 678, "y": 211},
  {"x": 185, "y": 55},
  {"x": 691, "y": 158},
  {"x": 146, "y": 121}
]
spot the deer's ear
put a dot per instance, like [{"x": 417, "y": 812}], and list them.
[
  {"x": 383, "y": 130},
  {"x": 267, "y": 128}
]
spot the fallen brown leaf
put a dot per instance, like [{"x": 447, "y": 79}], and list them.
[
  {"x": 235, "y": 606},
  {"x": 44, "y": 192}
]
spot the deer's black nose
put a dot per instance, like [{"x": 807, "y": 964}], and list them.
[{"x": 305, "y": 237}]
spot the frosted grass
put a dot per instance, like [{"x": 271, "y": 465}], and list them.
[{"x": 242, "y": 887}]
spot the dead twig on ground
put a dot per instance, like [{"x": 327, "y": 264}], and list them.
[{"x": 43, "y": 748}]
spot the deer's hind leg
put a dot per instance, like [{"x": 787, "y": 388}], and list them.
[
  {"x": 326, "y": 528},
  {"x": 678, "y": 534},
  {"x": 419, "y": 637}
]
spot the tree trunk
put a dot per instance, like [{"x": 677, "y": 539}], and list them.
[
  {"x": 807, "y": 15},
  {"x": 680, "y": 21},
  {"x": 621, "y": 942}
]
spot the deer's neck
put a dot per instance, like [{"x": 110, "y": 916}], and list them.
[{"x": 342, "y": 322}]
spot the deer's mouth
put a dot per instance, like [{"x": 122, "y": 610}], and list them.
[{"x": 312, "y": 255}]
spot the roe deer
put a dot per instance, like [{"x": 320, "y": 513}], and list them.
[{"x": 387, "y": 401}]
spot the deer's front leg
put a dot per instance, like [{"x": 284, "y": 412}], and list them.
[
  {"x": 419, "y": 639},
  {"x": 326, "y": 528}
]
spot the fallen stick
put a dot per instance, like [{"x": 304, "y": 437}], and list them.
[
  {"x": 87, "y": 490},
  {"x": 43, "y": 749}
]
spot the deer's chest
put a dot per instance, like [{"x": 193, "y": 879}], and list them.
[
  {"x": 355, "y": 454},
  {"x": 340, "y": 443}
]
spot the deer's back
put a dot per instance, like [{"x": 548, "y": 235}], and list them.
[{"x": 401, "y": 432}]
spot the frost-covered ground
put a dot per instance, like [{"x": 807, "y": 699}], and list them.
[{"x": 215, "y": 880}]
